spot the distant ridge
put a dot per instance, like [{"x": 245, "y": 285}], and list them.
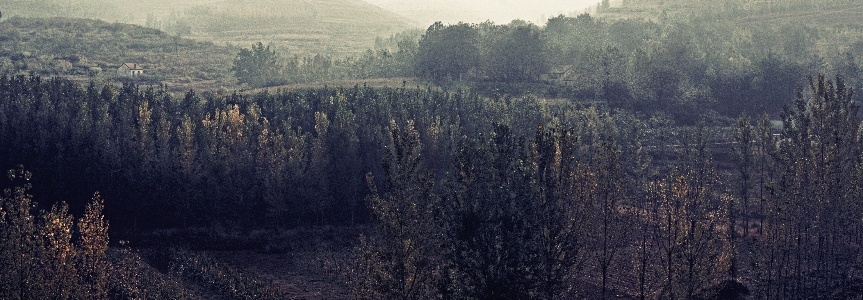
[
  {"x": 835, "y": 13},
  {"x": 335, "y": 27},
  {"x": 477, "y": 11}
]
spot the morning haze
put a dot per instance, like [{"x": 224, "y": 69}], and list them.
[
  {"x": 498, "y": 11},
  {"x": 402, "y": 149}
]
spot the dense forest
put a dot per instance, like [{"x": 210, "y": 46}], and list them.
[
  {"x": 685, "y": 158},
  {"x": 465, "y": 183}
]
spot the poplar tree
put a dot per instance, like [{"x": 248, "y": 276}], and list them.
[
  {"x": 19, "y": 238},
  {"x": 399, "y": 262},
  {"x": 93, "y": 265},
  {"x": 812, "y": 215}
]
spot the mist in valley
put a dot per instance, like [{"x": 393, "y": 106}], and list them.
[{"x": 498, "y": 11}]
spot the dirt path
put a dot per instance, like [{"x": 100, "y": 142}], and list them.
[{"x": 300, "y": 275}]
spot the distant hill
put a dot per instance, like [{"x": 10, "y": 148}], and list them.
[
  {"x": 335, "y": 27},
  {"x": 85, "y": 49},
  {"x": 477, "y": 11},
  {"x": 823, "y": 27},
  {"x": 743, "y": 12}
]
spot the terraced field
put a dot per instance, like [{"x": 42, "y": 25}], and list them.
[{"x": 333, "y": 27}]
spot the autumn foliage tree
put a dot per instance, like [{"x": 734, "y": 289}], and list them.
[{"x": 38, "y": 253}]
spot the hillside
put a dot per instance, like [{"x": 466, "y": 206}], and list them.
[
  {"x": 478, "y": 11},
  {"x": 827, "y": 13},
  {"x": 84, "y": 49},
  {"x": 802, "y": 31},
  {"x": 334, "y": 27}
]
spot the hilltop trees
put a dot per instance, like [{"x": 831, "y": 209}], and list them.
[
  {"x": 257, "y": 67},
  {"x": 507, "y": 53},
  {"x": 514, "y": 53},
  {"x": 447, "y": 52}
]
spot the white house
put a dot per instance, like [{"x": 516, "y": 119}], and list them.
[{"x": 129, "y": 70}]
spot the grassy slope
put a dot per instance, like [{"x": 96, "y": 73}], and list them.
[
  {"x": 826, "y": 14},
  {"x": 730, "y": 9},
  {"x": 336, "y": 27},
  {"x": 202, "y": 58},
  {"x": 73, "y": 47}
]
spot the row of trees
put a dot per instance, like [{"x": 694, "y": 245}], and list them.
[
  {"x": 672, "y": 65},
  {"x": 298, "y": 155},
  {"x": 576, "y": 212},
  {"x": 260, "y": 66}
]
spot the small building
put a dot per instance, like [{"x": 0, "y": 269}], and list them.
[
  {"x": 568, "y": 80},
  {"x": 130, "y": 70},
  {"x": 558, "y": 75}
]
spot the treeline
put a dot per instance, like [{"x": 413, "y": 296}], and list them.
[
  {"x": 671, "y": 64},
  {"x": 574, "y": 213},
  {"x": 262, "y": 66}
]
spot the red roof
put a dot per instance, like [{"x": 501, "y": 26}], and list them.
[{"x": 133, "y": 66}]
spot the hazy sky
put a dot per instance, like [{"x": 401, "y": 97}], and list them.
[{"x": 473, "y": 11}]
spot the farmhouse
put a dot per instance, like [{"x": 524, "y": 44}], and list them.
[
  {"x": 559, "y": 75},
  {"x": 129, "y": 70},
  {"x": 568, "y": 80}
]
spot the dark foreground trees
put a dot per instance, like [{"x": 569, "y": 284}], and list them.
[
  {"x": 473, "y": 200},
  {"x": 813, "y": 215},
  {"x": 40, "y": 257},
  {"x": 399, "y": 262},
  {"x": 552, "y": 217}
]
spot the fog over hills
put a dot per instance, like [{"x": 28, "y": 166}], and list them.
[
  {"x": 335, "y": 27},
  {"x": 498, "y": 11}
]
